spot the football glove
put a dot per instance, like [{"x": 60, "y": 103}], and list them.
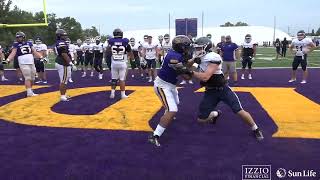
[{"x": 73, "y": 67}]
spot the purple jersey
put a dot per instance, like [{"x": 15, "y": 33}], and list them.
[
  {"x": 166, "y": 72},
  {"x": 229, "y": 50},
  {"x": 119, "y": 48},
  {"x": 23, "y": 48}
]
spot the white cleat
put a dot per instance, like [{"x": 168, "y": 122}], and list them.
[
  {"x": 91, "y": 75},
  {"x": 100, "y": 76},
  {"x": 84, "y": 75},
  {"x": 249, "y": 77},
  {"x": 292, "y": 80},
  {"x": 70, "y": 80},
  {"x": 242, "y": 76},
  {"x": 32, "y": 95},
  {"x": 38, "y": 82},
  {"x": 228, "y": 78},
  {"x": 303, "y": 82},
  {"x": 112, "y": 96},
  {"x": 124, "y": 97},
  {"x": 64, "y": 99},
  {"x": 132, "y": 75},
  {"x": 150, "y": 80},
  {"x": 4, "y": 79},
  {"x": 190, "y": 82},
  {"x": 183, "y": 82},
  {"x": 45, "y": 82}
]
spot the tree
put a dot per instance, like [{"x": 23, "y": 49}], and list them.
[
  {"x": 72, "y": 27},
  {"x": 91, "y": 32},
  {"x": 241, "y": 24},
  {"x": 318, "y": 32},
  {"x": 227, "y": 24}
]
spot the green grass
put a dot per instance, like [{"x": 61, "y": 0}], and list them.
[{"x": 265, "y": 58}]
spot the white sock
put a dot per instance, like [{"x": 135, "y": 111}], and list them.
[
  {"x": 159, "y": 130},
  {"x": 123, "y": 93},
  {"x": 29, "y": 91},
  {"x": 215, "y": 113},
  {"x": 254, "y": 127},
  {"x": 150, "y": 77},
  {"x": 113, "y": 91}
]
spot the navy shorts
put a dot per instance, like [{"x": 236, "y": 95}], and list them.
[
  {"x": 151, "y": 63},
  {"x": 246, "y": 61},
  {"x": 39, "y": 65},
  {"x": 212, "y": 97},
  {"x": 299, "y": 60}
]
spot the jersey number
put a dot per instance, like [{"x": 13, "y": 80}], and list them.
[
  {"x": 118, "y": 52},
  {"x": 25, "y": 49}
]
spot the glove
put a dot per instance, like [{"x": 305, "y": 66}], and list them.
[
  {"x": 185, "y": 71},
  {"x": 252, "y": 59},
  {"x": 73, "y": 67},
  {"x": 197, "y": 60}
]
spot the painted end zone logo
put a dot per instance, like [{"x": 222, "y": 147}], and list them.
[{"x": 251, "y": 172}]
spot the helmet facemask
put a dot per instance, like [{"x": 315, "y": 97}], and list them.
[{"x": 301, "y": 36}]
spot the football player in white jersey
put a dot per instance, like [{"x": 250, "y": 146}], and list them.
[
  {"x": 80, "y": 54},
  {"x": 135, "y": 62},
  {"x": 88, "y": 59},
  {"x": 73, "y": 54},
  {"x": 166, "y": 46},
  {"x": 107, "y": 53},
  {"x": 2, "y": 62},
  {"x": 300, "y": 47},
  {"x": 216, "y": 88},
  {"x": 40, "y": 63},
  {"x": 98, "y": 56},
  {"x": 150, "y": 52},
  {"x": 160, "y": 55},
  {"x": 248, "y": 53}
]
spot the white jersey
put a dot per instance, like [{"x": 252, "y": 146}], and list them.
[
  {"x": 151, "y": 50},
  {"x": 72, "y": 50},
  {"x": 301, "y": 46},
  {"x": 211, "y": 57},
  {"x": 87, "y": 48},
  {"x": 98, "y": 47},
  {"x": 166, "y": 47},
  {"x": 40, "y": 47},
  {"x": 135, "y": 47}
]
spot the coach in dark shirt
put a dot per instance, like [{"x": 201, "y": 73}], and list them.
[{"x": 284, "y": 45}]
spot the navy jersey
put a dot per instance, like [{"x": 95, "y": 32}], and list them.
[
  {"x": 166, "y": 72},
  {"x": 23, "y": 48},
  {"x": 62, "y": 47},
  {"x": 119, "y": 48}
]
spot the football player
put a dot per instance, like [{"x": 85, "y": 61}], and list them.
[
  {"x": 120, "y": 49},
  {"x": 24, "y": 51},
  {"x": 216, "y": 89},
  {"x": 3, "y": 61},
  {"x": 107, "y": 54},
  {"x": 63, "y": 62},
  {"x": 248, "y": 54},
  {"x": 80, "y": 54},
  {"x": 73, "y": 54},
  {"x": 150, "y": 53},
  {"x": 98, "y": 56},
  {"x": 88, "y": 59},
  {"x": 300, "y": 48},
  {"x": 166, "y": 45},
  {"x": 135, "y": 62},
  {"x": 160, "y": 55},
  {"x": 165, "y": 83},
  {"x": 40, "y": 63}
]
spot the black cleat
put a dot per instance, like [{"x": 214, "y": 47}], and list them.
[
  {"x": 154, "y": 139},
  {"x": 214, "y": 120},
  {"x": 258, "y": 134}
]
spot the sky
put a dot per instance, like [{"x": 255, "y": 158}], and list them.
[{"x": 145, "y": 14}]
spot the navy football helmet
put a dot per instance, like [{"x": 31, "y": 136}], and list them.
[
  {"x": 202, "y": 45},
  {"x": 117, "y": 33},
  {"x": 181, "y": 44},
  {"x": 61, "y": 34}
]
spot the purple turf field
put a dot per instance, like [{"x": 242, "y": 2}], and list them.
[{"x": 189, "y": 150}]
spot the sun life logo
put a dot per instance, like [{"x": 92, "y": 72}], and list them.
[{"x": 281, "y": 173}]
